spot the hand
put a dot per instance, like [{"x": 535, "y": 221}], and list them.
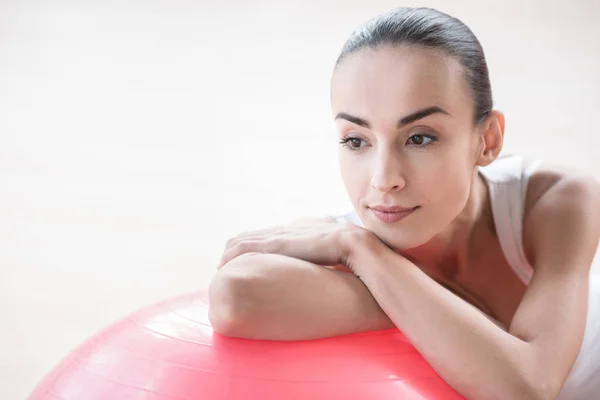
[{"x": 320, "y": 243}]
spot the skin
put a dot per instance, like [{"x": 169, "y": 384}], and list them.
[
  {"x": 384, "y": 164},
  {"x": 432, "y": 163},
  {"x": 401, "y": 271}
]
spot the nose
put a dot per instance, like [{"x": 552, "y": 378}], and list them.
[{"x": 388, "y": 174}]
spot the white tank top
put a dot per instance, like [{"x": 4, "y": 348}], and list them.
[{"x": 507, "y": 183}]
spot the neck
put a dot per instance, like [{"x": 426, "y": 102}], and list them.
[{"x": 448, "y": 254}]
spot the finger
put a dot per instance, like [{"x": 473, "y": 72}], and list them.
[
  {"x": 274, "y": 245},
  {"x": 250, "y": 253},
  {"x": 239, "y": 249},
  {"x": 250, "y": 236},
  {"x": 260, "y": 232},
  {"x": 234, "y": 248}
]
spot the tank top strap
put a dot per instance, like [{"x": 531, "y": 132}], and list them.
[{"x": 507, "y": 182}]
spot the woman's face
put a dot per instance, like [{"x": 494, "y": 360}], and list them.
[{"x": 405, "y": 115}]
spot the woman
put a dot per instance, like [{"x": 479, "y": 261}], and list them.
[{"x": 474, "y": 257}]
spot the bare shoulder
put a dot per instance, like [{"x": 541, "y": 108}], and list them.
[
  {"x": 554, "y": 191},
  {"x": 548, "y": 175},
  {"x": 544, "y": 177}
]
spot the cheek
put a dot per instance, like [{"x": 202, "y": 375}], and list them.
[
  {"x": 356, "y": 178},
  {"x": 353, "y": 179},
  {"x": 448, "y": 194}
]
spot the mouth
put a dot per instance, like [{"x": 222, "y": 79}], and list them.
[{"x": 390, "y": 217}]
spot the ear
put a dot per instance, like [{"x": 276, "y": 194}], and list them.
[{"x": 491, "y": 138}]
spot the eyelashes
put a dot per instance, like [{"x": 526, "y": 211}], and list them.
[
  {"x": 429, "y": 140},
  {"x": 344, "y": 142}
]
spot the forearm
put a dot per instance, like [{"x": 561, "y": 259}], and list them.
[
  {"x": 274, "y": 297},
  {"x": 470, "y": 352}
]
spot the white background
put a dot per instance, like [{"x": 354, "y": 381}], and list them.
[{"x": 136, "y": 137}]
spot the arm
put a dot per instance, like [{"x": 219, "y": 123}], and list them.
[
  {"x": 275, "y": 297},
  {"x": 473, "y": 355}
]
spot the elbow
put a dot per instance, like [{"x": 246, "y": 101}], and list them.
[
  {"x": 537, "y": 386},
  {"x": 539, "y": 391},
  {"x": 524, "y": 389},
  {"x": 522, "y": 375},
  {"x": 229, "y": 303},
  {"x": 545, "y": 389}
]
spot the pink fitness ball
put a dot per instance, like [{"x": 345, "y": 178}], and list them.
[{"x": 168, "y": 351}]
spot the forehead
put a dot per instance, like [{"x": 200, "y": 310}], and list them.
[{"x": 399, "y": 79}]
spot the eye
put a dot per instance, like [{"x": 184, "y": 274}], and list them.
[
  {"x": 422, "y": 140},
  {"x": 352, "y": 143}
]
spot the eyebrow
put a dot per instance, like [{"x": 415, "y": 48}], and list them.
[{"x": 401, "y": 122}]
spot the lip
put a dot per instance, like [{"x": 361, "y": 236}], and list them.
[
  {"x": 394, "y": 216},
  {"x": 391, "y": 209}
]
